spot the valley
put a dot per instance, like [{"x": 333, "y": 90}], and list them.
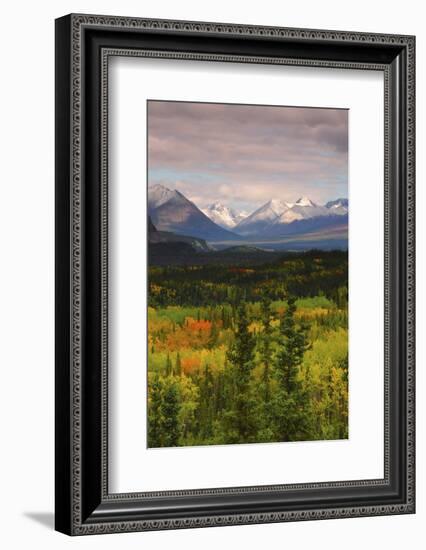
[{"x": 247, "y": 322}]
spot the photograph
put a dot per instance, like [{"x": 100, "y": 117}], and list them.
[{"x": 247, "y": 227}]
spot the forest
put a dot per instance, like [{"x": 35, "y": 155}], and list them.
[{"x": 248, "y": 353}]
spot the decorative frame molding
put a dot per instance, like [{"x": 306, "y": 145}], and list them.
[{"x": 84, "y": 43}]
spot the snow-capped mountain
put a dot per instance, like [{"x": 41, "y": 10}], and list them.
[
  {"x": 158, "y": 195},
  {"x": 277, "y": 218},
  {"x": 302, "y": 209},
  {"x": 339, "y": 206},
  {"x": 262, "y": 217},
  {"x": 338, "y": 202},
  {"x": 304, "y": 201},
  {"x": 306, "y": 216},
  {"x": 171, "y": 211},
  {"x": 223, "y": 216}
]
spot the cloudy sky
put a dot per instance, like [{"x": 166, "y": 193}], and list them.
[{"x": 245, "y": 155}]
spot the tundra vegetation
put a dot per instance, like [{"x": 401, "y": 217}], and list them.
[{"x": 249, "y": 353}]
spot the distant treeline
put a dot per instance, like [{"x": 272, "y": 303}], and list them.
[{"x": 311, "y": 273}]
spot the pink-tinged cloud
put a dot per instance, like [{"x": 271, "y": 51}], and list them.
[{"x": 246, "y": 154}]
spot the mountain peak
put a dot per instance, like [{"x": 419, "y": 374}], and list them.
[
  {"x": 159, "y": 194},
  {"x": 159, "y": 189},
  {"x": 158, "y": 186},
  {"x": 338, "y": 203},
  {"x": 262, "y": 217},
  {"x": 304, "y": 201},
  {"x": 223, "y": 215},
  {"x": 217, "y": 205},
  {"x": 277, "y": 205},
  {"x": 171, "y": 211}
]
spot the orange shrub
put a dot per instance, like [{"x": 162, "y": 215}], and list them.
[
  {"x": 190, "y": 364},
  {"x": 202, "y": 324}
]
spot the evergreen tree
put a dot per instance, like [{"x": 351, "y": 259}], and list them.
[
  {"x": 293, "y": 346},
  {"x": 265, "y": 348},
  {"x": 214, "y": 335},
  {"x": 223, "y": 315},
  {"x": 169, "y": 366},
  {"x": 169, "y": 415},
  {"x": 206, "y": 406},
  {"x": 154, "y": 413},
  {"x": 241, "y": 420},
  {"x": 178, "y": 365},
  {"x": 220, "y": 402},
  {"x": 290, "y": 402},
  {"x": 264, "y": 391}
]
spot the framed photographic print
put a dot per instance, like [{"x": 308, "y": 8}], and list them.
[{"x": 234, "y": 274}]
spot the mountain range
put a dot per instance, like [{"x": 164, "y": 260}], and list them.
[
  {"x": 170, "y": 211},
  {"x": 277, "y": 218}
]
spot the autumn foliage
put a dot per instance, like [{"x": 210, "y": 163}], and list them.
[{"x": 249, "y": 353}]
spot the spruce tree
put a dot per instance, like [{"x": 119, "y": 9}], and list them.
[
  {"x": 207, "y": 403},
  {"x": 265, "y": 408},
  {"x": 293, "y": 347},
  {"x": 291, "y": 408},
  {"x": 224, "y": 325},
  {"x": 154, "y": 412},
  {"x": 169, "y": 415},
  {"x": 214, "y": 335},
  {"x": 241, "y": 421},
  {"x": 169, "y": 366},
  {"x": 265, "y": 348},
  {"x": 178, "y": 365}
]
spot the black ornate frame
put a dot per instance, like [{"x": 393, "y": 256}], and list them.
[{"x": 83, "y": 45}]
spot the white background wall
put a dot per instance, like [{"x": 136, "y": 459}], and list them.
[{"x": 27, "y": 262}]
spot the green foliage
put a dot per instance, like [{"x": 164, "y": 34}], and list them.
[
  {"x": 315, "y": 302},
  {"x": 265, "y": 349},
  {"x": 292, "y": 347},
  {"x": 253, "y": 354},
  {"x": 169, "y": 413},
  {"x": 324, "y": 376},
  {"x": 188, "y": 289},
  {"x": 178, "y": 365},
  {"x": 241, "y": 420},
  {"x": 154, "y": 412},
  {"x": 290, "y": 404}
]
